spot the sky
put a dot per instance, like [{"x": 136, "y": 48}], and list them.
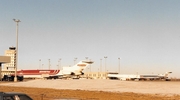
[{"x": 144, "y": 34}]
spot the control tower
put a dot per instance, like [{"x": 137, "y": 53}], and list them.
[{"x": 12, "y": 53}]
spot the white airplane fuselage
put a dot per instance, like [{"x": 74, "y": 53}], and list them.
[
  {"x": 75, "y": 70},
  {"x": 136, "y": 76}
]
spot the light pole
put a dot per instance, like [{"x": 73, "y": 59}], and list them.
[
  {"x": 90, "y": 66},
  {"x": 42, "y": 66},
  {"x": 98, "y": 73},
  {"x": 39, "y": 63},
  {"x": 119, "y": 64},
  {"x": 17, "y": 21},
  {"x": 100, "y": 65},
  {"x": 75, "y": 60},
  {"x": 59, "y": 63},
  {"x": 105, "y": 62},
  {"x": 86, "y": 58},
  {"x": 49, "y": 64}
]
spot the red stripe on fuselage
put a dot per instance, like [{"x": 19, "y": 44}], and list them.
[
  {"x": 38, "y": 72},
  {"x": 81, "y": 65}
]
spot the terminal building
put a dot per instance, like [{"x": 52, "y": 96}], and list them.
[
  {"x": 95, "y": 75},
  {"x": 3, "y": 60},
  {"x": 9, "y": 68}
]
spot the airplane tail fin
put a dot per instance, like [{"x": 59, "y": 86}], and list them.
[{"x": 79, "y": 67}]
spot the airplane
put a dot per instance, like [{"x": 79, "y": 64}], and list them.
[
  {"x": 138, "y": 77},
  {"x": 66, "y": 72}
]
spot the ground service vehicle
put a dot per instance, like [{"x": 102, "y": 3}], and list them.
[
  {"x": 11, "y": 78},
  {"x": 14, "y": 96}
]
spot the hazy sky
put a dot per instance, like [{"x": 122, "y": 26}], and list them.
[{"x": 145, "y": 34}]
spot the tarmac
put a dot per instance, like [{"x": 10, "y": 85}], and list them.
[{"x": 146, "y": 87}]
